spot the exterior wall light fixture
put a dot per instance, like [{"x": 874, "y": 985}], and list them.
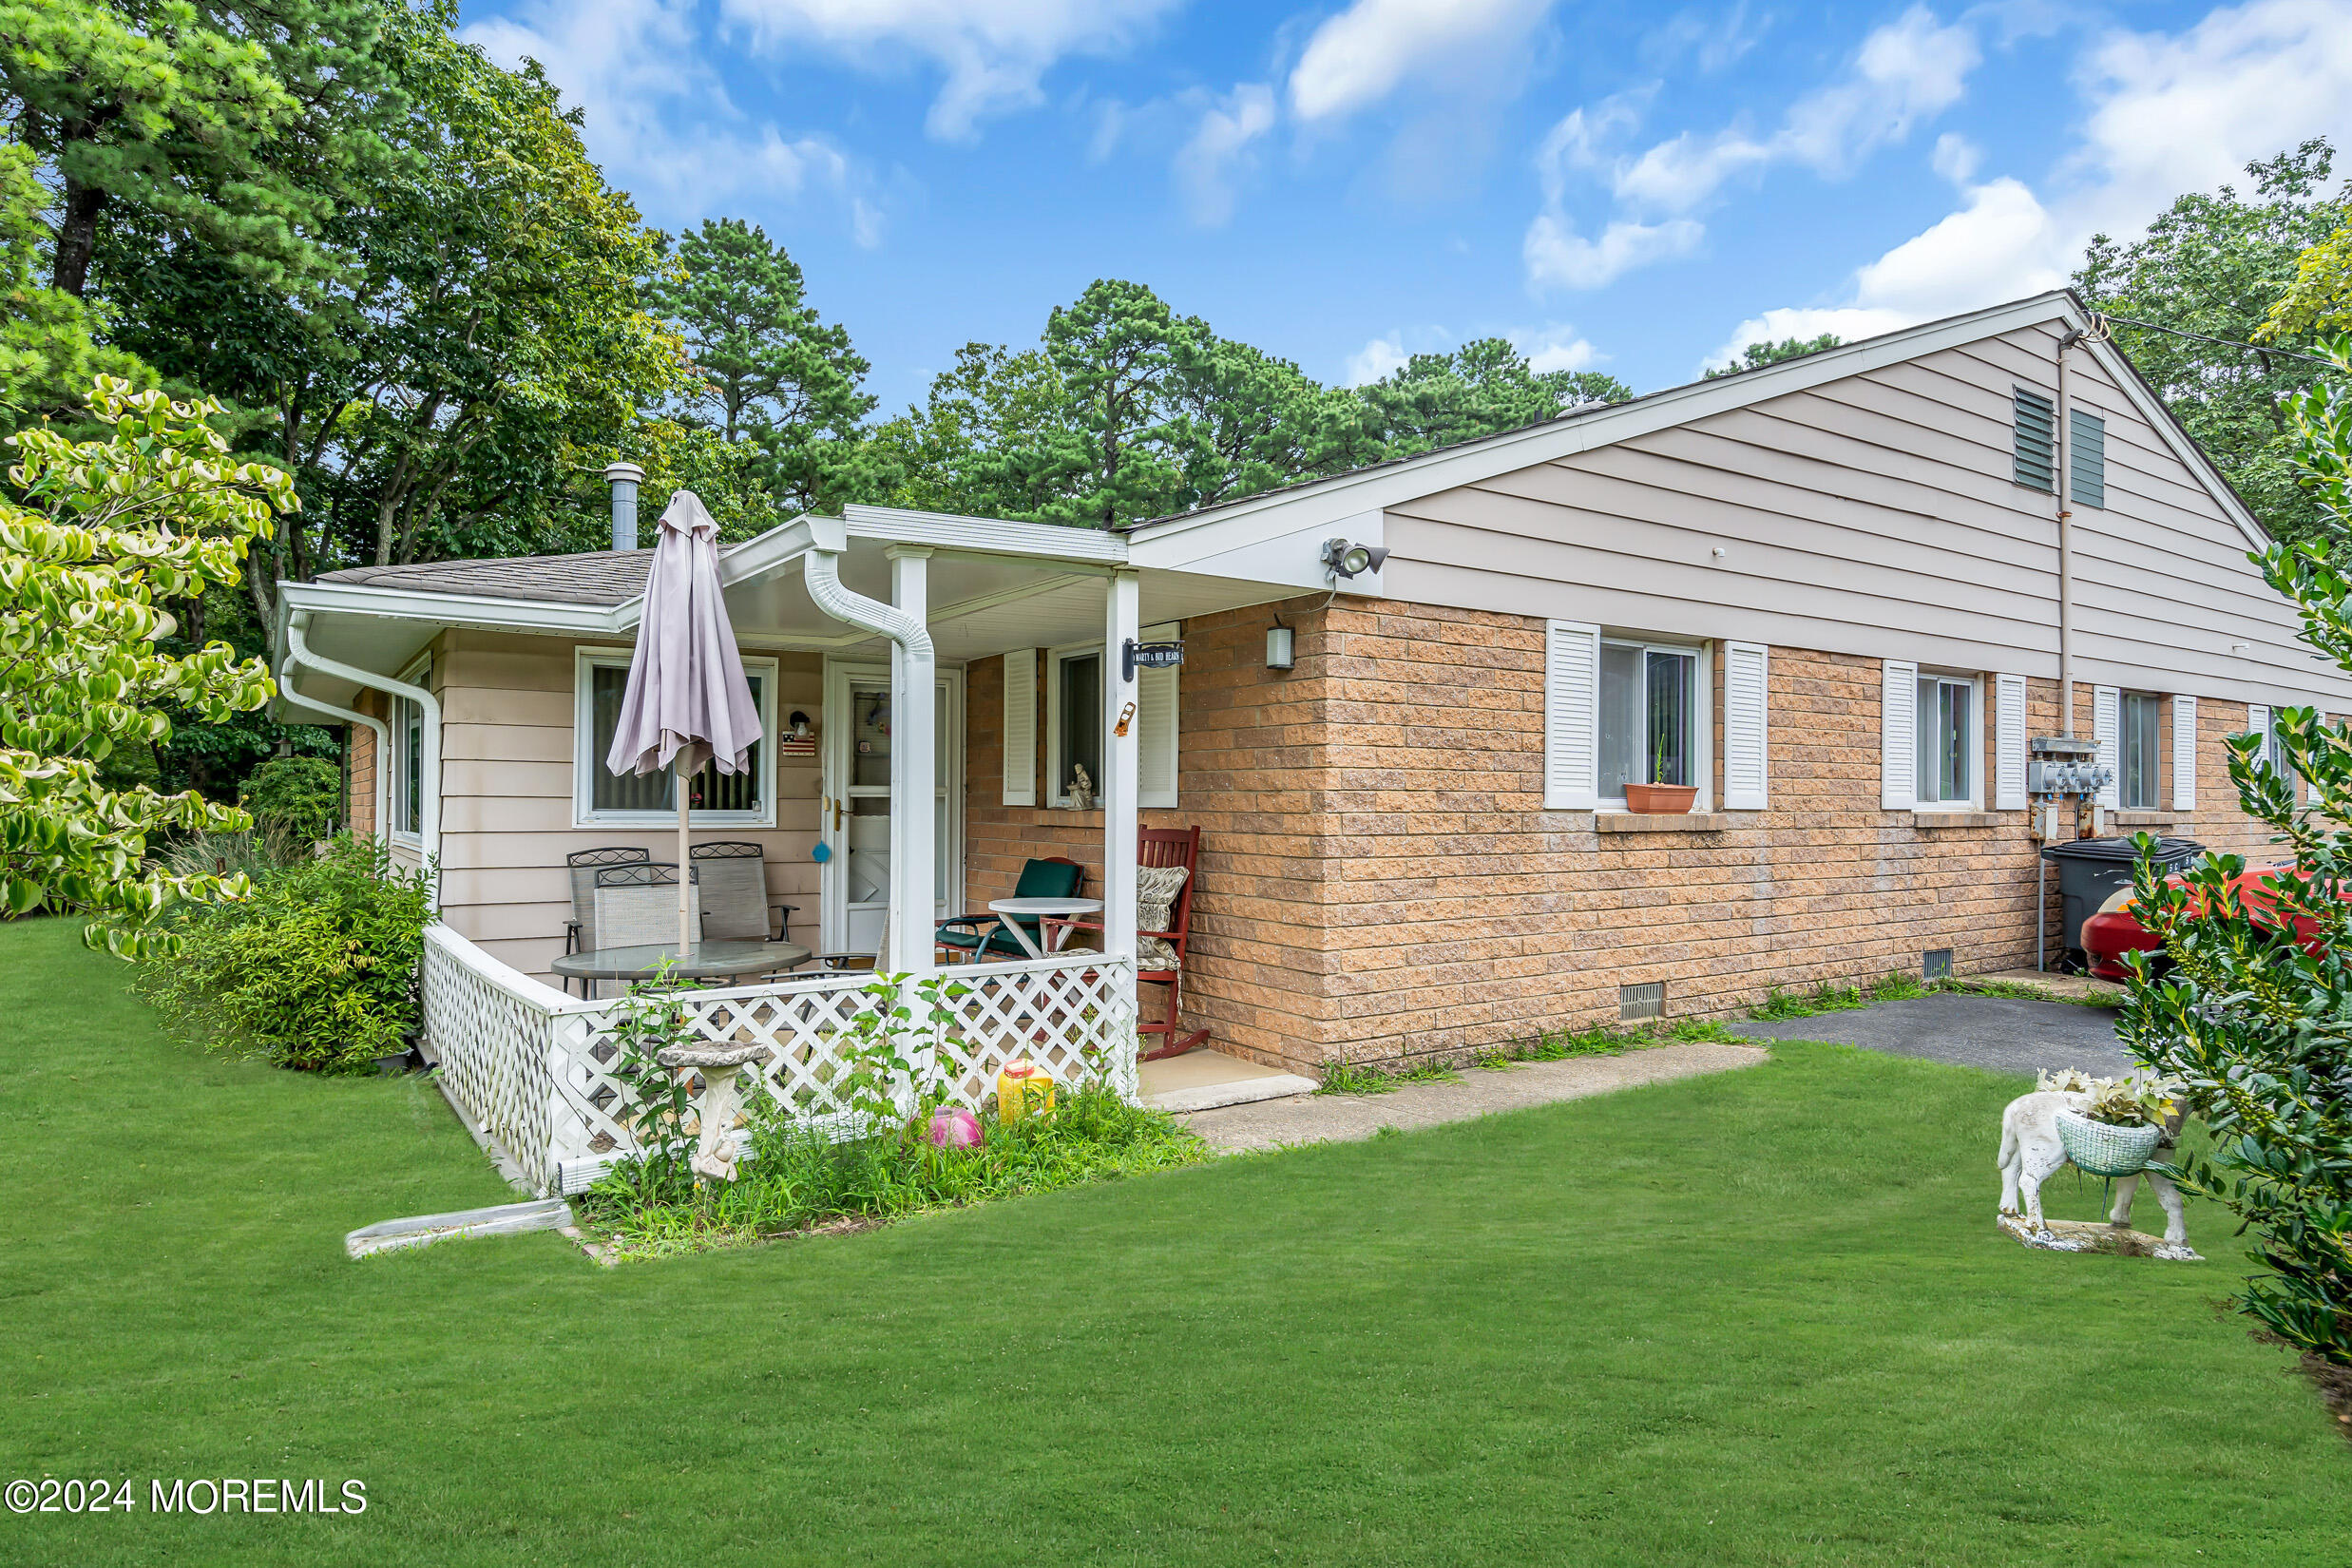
[
  {"x": 1341, "y": 558},
  {"x": 1279, "y": 649}
]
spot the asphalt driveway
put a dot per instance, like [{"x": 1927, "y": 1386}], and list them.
[{"x": 2006, "y": 1035}]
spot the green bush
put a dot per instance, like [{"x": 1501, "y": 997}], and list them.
[
  {"x": 301, "y": 797},
  {"x": 314, "y": 971}
]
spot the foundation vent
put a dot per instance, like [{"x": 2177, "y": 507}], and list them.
[
  {"x": 1936, "y": 964},
  {"x": 1639, "y": 1004}
]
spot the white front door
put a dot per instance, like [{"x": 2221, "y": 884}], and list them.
[{"x": 856, "y": 805}]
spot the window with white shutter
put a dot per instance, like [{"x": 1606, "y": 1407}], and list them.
[
  {"x": 2258, "y": 722},
  {"x": 2009, "y": 743},
  {"x": 2106, "y": 733},
  {"x": 2184, "y": 754},
  {"x": 1898, "y": 735},
  {"x": 1155, "y": 721},
  {"x": 1571, "y": 716},
  {"x": 1746, "y": 749},
  {"x": 1020, "y": 730}
]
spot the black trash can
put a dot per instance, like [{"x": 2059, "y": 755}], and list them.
[{"x": 2090, "y": 869}]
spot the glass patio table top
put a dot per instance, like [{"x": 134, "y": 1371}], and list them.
[{"x": 702, "y": 961}]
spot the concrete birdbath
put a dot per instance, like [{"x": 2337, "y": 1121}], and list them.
[{"x": 717, "y": 1148}]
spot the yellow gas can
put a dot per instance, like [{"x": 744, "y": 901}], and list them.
[{"x": 1022, "y": 1087}]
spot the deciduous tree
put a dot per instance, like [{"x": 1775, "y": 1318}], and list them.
[
  {"x": 100, "y": 533},
  {"x": 2215, "y": 265}
]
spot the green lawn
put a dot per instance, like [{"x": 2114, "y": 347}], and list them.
[{"x": 1755, "y": 1319}]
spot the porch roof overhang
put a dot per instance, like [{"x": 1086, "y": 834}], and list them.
[{"x": 993, "y": 585}]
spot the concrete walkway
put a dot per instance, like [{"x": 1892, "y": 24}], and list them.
[{"x": 1334, "y": 1119}]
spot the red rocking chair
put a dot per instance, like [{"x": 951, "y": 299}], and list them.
[{"x": 1163, "y": 846}]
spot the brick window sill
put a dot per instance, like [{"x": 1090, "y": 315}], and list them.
[
  {"x": 2146, "y": 819},
  {"x": 1930, "y": 820},
  {"x": 1661, "y": 822}
]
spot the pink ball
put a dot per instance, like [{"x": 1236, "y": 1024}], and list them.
[{"x": 953, "y": 1127}]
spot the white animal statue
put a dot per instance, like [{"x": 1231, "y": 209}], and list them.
[{"x": 2031, "y": 1154}]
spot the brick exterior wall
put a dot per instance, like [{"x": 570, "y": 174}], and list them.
[
  {"x": 359, "y": 803},
  {"x": 1379, "y": 878}
]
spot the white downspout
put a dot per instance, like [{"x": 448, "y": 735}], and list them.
[
  {"x": 383, "y": 744},
  {"x": 915, "y": 664},
  {"x": 429, "y": 809}
]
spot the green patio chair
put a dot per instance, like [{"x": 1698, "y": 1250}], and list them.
[{"x": 975, "y": 938}]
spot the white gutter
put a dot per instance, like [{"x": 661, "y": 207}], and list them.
[
  {"x": 383, "y": 746},
  {"x": 429, "y": 809}
]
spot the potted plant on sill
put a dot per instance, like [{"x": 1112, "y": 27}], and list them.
[{"x": 1662, "y": 800}]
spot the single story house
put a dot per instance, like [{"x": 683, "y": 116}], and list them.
[{"x": 1835, "y": 595}]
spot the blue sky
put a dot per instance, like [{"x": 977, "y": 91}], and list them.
[{"x": 1629, "y": 187}]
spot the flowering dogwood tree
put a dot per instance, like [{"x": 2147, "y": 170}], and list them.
[{"x": 93, "y": 535}]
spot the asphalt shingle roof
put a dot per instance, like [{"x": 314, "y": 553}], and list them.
[{"x": 592, "y": 577}]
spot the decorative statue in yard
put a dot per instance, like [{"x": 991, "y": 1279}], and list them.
[
  {"x": 716, "y": 1145},
  {"x": 2108, "y": 1127}
]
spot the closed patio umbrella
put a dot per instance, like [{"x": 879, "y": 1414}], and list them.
[{"x": 686, "y": 702}]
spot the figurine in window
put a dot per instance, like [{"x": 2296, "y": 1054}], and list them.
[{"x": 1081, "y": 787}]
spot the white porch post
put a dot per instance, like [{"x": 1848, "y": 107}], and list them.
[
  {"x": 913, "y": 772},
  {"x": 1121, "y": 733}
]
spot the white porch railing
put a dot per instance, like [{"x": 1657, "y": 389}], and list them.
[{"x": 532, "y": 1067}]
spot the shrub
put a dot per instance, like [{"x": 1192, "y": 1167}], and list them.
[
  {"x": 2250, "y": 1014},
  {"x": 314, "y": 971},
  {"x": 301, "y": 797}
]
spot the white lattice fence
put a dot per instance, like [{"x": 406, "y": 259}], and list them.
[
  {"x": 1073, "y": 1016},
  {"x": 535, "y": 1069},
  {"x": 494, "y": 1031}
]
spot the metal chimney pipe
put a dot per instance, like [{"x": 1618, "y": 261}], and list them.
[{"x": 624, "y": 477}]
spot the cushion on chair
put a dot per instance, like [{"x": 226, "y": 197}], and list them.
[
  {"x": 1156, "y": 887},
  {"x": 1048, "y": 879}
]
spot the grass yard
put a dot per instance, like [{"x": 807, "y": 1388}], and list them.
[{"x": 1762, "y": 1318}]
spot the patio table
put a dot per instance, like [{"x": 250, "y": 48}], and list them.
[
  {"x": 1011, "y": 912},
  {"x": 703, "y": 961}
]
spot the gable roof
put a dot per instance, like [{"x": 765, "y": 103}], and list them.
[{"x": 1315, "y": 502}]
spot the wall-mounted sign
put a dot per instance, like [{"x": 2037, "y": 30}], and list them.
[{"x": 1150, "y": 655}]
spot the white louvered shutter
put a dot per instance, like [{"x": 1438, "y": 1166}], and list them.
[
  {"x": 2009, "y": 743},
  {"x": 1155, "y": 713},
  {"x": 1571, "y": 716},
  {"x": 1899, "y": 744},
  {"x": 1746, "y": 699},
  {"x": 2106, "y": 733},
  {"x": 2258, "y": 722},
  {"x": 1021, "y": 727},
  {"x": 2184, "y": 754}
]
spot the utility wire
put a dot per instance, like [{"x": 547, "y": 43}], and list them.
[{"x": 2101, "y": 317}]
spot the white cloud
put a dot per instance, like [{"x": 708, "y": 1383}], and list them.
[
  {"x": 1376, "y": 359},
  {"x": 1955, "y": 158},
  {"x": 1557, "y": 256},
  {"x": 2167, "y": 114},
  {"x": 1556, "y": 347},
  {"x": 994, "y": 52},
  {"x": 1207, "y": 165},
  {"x": 658, "y": 118},
  {"x": 1360, "y": 56},
  {"x": 1910, "y": 69}
]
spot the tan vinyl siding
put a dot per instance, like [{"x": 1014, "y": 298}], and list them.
[
  {"x": 507, "y": 814},
  {"x": 1876, "y": 515}
]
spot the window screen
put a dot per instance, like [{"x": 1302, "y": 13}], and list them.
[
  {"x": 1947, "y": 742},
  {"x": 1648, "y": 708},
  {"x": 1079, "y": 736},
  {"x": 2038, "y": 428},
  {"x": 2086, "y": 458},
  {"x": 2136, "y": 790},
  {"x": 708, "y": 790}
]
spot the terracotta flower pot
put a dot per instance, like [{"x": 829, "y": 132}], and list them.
[{"x": 1664, "y": 798}]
